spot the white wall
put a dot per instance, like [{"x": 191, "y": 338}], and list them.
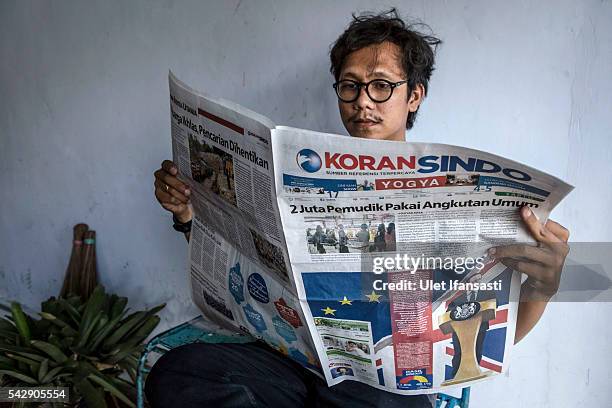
[{"x": 84, "y": 121}]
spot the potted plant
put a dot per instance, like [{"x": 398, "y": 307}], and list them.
[{"x": 91, "y": 346}]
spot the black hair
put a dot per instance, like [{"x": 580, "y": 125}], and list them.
[{"x": 417, "y": 49}]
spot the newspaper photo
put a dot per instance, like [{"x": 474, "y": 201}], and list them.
[{"x": 363, "y": 260}]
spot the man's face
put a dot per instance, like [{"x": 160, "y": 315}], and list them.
[{"x": 366, "y": 118}]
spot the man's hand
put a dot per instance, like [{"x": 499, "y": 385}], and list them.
[
  {"x": 542, "y": 263},
  {"x": 172, "y": 194}
]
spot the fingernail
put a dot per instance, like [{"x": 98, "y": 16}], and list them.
[{"x": 526, "y": 212}]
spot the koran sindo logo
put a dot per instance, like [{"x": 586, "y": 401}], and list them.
[{"x": 309, "y": 160}]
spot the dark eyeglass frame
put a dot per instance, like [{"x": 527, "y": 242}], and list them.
[{"x": 366, "y": 85}]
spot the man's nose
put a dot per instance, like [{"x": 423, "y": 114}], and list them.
[{"x": 363, "y": 101}]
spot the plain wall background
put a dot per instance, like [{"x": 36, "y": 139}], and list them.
[{"x": 84, "y": 122}]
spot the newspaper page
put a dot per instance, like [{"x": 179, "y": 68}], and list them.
[
  {"x": 238, "y": 262},
  {"x": 363, "y": 260},
  {"x": 387, "y": 242}
]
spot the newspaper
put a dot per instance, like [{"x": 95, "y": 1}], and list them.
[{"x": 362, "y": 260}]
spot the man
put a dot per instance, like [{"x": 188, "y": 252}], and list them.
[
  {"x": 318, "y": 239},
  {"x": 342, "y": 240},
  {"x": 363, "y": 237},
  {"x": 382, "y": 69}
]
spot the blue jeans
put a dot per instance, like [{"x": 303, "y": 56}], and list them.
[{"x": 254, "y": 375}]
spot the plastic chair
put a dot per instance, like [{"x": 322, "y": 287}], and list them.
[{"x": 199, "y": 330}]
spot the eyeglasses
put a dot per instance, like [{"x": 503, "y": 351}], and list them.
[{"x": 378, "y": 90}]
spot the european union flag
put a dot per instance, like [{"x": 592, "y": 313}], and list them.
[{"x": 347, "y": 295}]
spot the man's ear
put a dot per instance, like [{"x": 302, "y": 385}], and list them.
[{"x": 416, "y": 97}]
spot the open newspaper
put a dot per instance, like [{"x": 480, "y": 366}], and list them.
[{"x": 362, "y": 260}]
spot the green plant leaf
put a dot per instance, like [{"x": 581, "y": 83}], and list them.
[
  {"x": 99, "y": 328},
  {"x": 93, "y": 397},
  {"x": 85, "y": 335},
  {"x": 6, "y": 324},
  {"x": 156, "y": 309},
  {"x": 128, "y": 324},
  {"x": 128, "y": 362},
  {"x": 21, "y": 322},
  {"x": 6, "y": 363},
  {"x": 108, "y": 386},
  {"x": 92, "y": 310},
  {"x": 33, "y": 365},
  {"x": 41, "y": 328},
  {"x": 86, "y": 367},
  {"x": 125, "y": 386},
  {"x": 21, "y": 377},
  {"x": 4, "y": 359},
  {"x": 67, "y": 330},
  {"x": 31, "y": 356},
  {"x": 133, "y": 373},
  {"x": 47, "y": 315},
  {"x": 55, "y": 340},
  {"x": 5, "y": 366},
  {"x": 51, "y": 375},
  {"x": 74, "y": 300},
  {"x": 111, "y": 299},
  {"x": 50, "y": 305},
  {"x": 53, "y": 351},
  {"x": 14, "y": 349},
  {"x": 144, "y": 330},
  {"x": 71, "y": 364},
  {"x": 126, "y": 332},
  {"x": 42, "y": 371},
  {"x": 118, "y": 307},
  {"x": 122, "y": 351},
  {"x": 58, "y": 378},
  {"x": 101, "y": 336},
  {"x": 70, "y": 310},
  {"x": 8, "y": 335},
  {"x": 22, "y": 367}
]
